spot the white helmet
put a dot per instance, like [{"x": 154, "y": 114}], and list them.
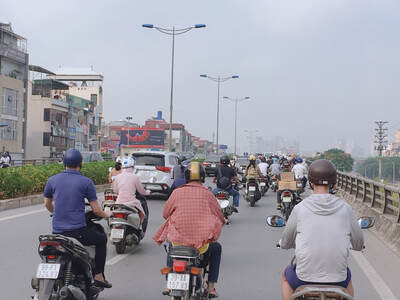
[{"x": 128, "y": 162}]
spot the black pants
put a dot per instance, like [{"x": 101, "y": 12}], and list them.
[{"x": 90, "y": 236}]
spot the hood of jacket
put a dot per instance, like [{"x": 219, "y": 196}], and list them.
[{"x": 323, "y": 204}]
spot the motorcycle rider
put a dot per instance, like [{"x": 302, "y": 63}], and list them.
[
  {"x": 224, "y": 177},
  {"x": 285, "y": 169},
  {"x": 127, "y": 184},
  {"x": 275, "y": 168},
  {"x": 64, "y": 196},
  {"x": 263, "y": 165},
  {"x": 5, "y": 160},
  {"x": 177, "y": 171},
  {"x": 116, "y": 170},
  {"x": 194, "y": 219},
  {"x": 321, "y": 255},
  {"x": 252, "y": 170},
  {"x": 300, "y": 171}
]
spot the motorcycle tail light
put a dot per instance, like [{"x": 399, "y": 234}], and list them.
[
  {"x": 206, "y": 164},
  {"x": 165, "y": 271},
  {"x": 179, "y": 266},
  {"x": 195, "y": 271},
  {"x": 53, "y": 244},
  {"x": 221, "y": 196},
  {"x": 51, "y": 257},
  {"x": 120, "y": 215},
  {"x": 286, "y": 194}
]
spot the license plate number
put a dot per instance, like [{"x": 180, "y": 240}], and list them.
[
  {"x": 287, "y": 199},
  {"x": 117, "y": 233},
  {"x": 178, "y": 281},
  {"x": 299, "y": 185},
  {"x": 48, "y": 271},
  {"x": 262, "y": 184},
  {"x": 213, "y": 166},
  {"x": 252, "y": 188}
]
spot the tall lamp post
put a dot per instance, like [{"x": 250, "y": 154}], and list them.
[
  {"x": 173, "y": 32},
  {"x": 129, "y": 119},
  {"x": 218, "y": 80},
  {"x": 236, "y": 101}
]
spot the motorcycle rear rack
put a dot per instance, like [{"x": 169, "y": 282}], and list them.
[{"x": 321, "y": 292}]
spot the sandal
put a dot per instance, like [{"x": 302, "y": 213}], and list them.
[{"x": 213, "y": 294}]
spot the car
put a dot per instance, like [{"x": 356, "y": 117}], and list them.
[
  {"x": 243, "y": 163},
  {"x": 210, "y": 164},
  {"x": 91, "y": 156},
  {"x": 154, "y": 170}
]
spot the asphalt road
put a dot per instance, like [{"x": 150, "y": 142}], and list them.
[{"x": 251, "y": 264}]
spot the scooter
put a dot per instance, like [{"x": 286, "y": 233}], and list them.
[
  {"x": 252, "y": 192},
  {"x": 319, "y": 291},
  {"x": 227, "y": 208},
  {"x": 300, "y": 187},
  {"x": 65, "y": 271},
  {"x": 264, "y": 186},
  {"x": 274, "y": 183},
  {"x": 288, "y": 201}
]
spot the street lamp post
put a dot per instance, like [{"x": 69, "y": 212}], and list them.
[
  {"x": 129, "y": 128},
  {"x": 173, "y": 32},
  {"x": 218, "y": 79},
  {"x": 236, "y": 101}
]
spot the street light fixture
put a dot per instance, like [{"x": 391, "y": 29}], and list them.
[
  {"x": 172, "y": 32},
  {"x": 236, "y": 101},
  {"x": 218, "y": 79}
]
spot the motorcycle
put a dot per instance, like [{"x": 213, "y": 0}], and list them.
[
  {"x": 125, "y": 228},
  {"x": 288, "y": 201},
  {"x": 274, "y": 183},
  {"x": 319, "y": 291},
  {"x": 252, "y": 192},
  {"x": 299, "y": 187},
  {"x": 187, "y": 279},
  {"x": 65, "y": 271},
  {"x": 264, "y": 186},
  {"x": 227, "y": 208}
]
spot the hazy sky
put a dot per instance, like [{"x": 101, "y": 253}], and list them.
[{"x": 316, "y": 70}]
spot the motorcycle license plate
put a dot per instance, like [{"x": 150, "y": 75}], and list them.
[
  {"x": 262, "y": 184},
  {"x": 213, "y": 166},
  {"x": 117, "y": 233},
  {"x": 48, "y": 271},
  {"x": 178, "y": 281},
  {"x": 299, "y": 185},
  {"x": 252, "y": 188},
  {"x": 286, "y": 199}
]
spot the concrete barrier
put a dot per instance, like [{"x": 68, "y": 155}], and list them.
[
  {"x": 386, "y": 227},
  {"x": 34, "y": 199}
]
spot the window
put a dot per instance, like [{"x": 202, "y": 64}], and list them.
[
  {"x": 46, "y": 138},
  {"x": 10, "y": 102},
  {"x": 10, "y": 132},
  {"x": 93, "y": 99},
  {"x": 149, "y": 159},
  {"x": 46, "y": 114},
  {"x": 173, "y": 160}
]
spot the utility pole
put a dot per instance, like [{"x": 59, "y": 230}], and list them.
[{"x": 380, "y": 142}]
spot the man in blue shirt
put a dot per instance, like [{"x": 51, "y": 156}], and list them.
[{"x": 65, "y": 195}]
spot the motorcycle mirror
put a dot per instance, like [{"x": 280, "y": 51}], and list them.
[
  {"x": 223, "y": 203},
  {"x": 275, "y": 221},
  {"x": 366, "y": 222}
]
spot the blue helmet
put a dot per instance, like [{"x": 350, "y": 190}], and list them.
[
  {"x": 275, "y": 160},
  {"x": 72, "y": 158},
  {"x": 299, "y": 160}
]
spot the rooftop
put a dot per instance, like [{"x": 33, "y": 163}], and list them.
[{"x": 76, "y": 74}]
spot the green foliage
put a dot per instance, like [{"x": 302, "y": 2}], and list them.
[
  {"x": 29, "y": 180},
  {"x": 370, "y": 168},
  {"x": 341, "y": 160}
]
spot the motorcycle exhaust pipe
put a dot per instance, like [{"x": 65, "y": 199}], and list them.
[{"x": 71, "y": 293}]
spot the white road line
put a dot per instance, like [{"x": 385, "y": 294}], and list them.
[
  {"x": 376, "y": 281},
  {"x": 115, "y": 259},
  {"x": 23, "y": 214}
]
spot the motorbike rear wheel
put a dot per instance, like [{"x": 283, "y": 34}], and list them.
[
  {"x": 120, "y": 247},
  {"x": 252, "y": 201}
]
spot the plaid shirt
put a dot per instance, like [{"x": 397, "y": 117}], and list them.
[{"x": 193, "y": 217}]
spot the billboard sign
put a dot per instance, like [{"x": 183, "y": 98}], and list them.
[{"x": 143, "y": 137}]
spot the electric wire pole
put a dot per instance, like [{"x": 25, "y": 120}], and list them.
[{"x": 380, "y": 142}]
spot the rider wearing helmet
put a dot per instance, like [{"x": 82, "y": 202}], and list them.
[
  {"x": 127, "y": 184},
  {"x": 178, "y": 170},
  {"x": 300, "y": 171},
  {"x": 116, "y": 170},
  {"x": 322, "y": 254},
  {"x": 65, "y": 195},
  {"x": 275, "y": 167},
  {"x": 225, "y": 175},
  {"x": 5, "y": 160},
  {"x": 194, "y": 219},
  {"x": 252, "y": 170},
  {"x": 263, "y": 166}
]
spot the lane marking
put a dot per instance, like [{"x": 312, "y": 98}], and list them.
[
  {"x": 23, "y": 214},
  {"x": 376, "y": 281},
  {"x": 116, "y": 259}
]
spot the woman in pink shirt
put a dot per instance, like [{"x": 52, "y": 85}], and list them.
[{"x": 126, "y": 184}]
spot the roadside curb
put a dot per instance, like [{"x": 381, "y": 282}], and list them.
[
  {"x": 386, "y": 228},
  {"x": 30, "y": 200}
]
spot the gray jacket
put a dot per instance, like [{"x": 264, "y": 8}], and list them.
[{"x": 321, "y": 228}]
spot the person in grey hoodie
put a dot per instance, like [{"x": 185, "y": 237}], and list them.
[{"x": 321, "y": 228}]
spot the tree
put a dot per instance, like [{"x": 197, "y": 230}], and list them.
[
  {"x": 342, "y": 161},
  {"x": 369, "y": 168}
]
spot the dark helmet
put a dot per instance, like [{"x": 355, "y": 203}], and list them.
[
  {"x": 181, "y": 159},
  {"x": 286, "y": 164},
  {"x": 195, "y": 172},
  {"x": 224, "y": 159},
  {"x": 72, "y": 158},
  {"x": 263, "y": 159},
  {"x": 322, "y": 172}
]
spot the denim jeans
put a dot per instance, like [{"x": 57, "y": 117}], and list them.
[{"x": 231, "y": 192}]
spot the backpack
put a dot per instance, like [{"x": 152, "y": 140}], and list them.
[{"x": 224, "y": 182}]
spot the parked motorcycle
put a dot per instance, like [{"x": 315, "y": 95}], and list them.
[
  {"x": 252, "y": 192},
  {"x": 288, "y": 201},
  {"x": 227, "y": 208},
  {"x": 65, "y": 271},
  {"x": 319, "y": 291},
  {"x": 187, "y": 279},
  {"x": 125, "y": 228}
]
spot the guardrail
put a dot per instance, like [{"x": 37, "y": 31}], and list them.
[
  {"x": 384, "y": 198},
  {"x": 34, "y": 162}
]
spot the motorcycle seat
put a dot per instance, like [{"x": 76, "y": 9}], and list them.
[
  {"x": 182, "y": 251},
  {"x": 315, "y": 292},
  {"x": 76, "y": 242}
]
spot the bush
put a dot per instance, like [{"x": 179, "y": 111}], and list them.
[{"x": 29, "y": 180}]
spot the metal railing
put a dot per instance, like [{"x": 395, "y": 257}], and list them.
[
  {"x": 34, "y": 162},
  {"x": 384, "y": 198}
]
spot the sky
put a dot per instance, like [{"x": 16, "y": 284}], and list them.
[{"x": 316, "y": 70}]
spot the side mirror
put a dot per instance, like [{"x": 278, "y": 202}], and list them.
[
  {"x": 275, "y": 221},
  {"x": 366, "y": 222},
  {"x": 223, "y": 203}
]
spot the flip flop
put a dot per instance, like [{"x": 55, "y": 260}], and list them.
[{"x": 213, "y": 294}]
